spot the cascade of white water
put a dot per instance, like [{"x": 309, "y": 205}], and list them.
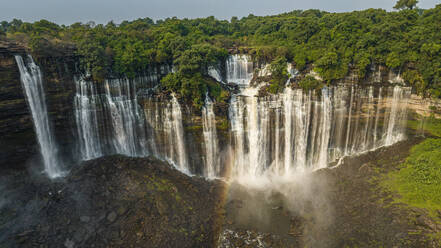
[
  {"x": 338, "y": 131},
  {"x": 311, "y": 130},
  {"x": 281, "y": 134},
  {"x": 178, "y": 131},
  {"x": 398, "y": 113},
  {"x": 277, "y": 149},
  {"x": 166, "y": 132},
  {"x": 236, "y": 116},
  {"x": 86, "y": 104},
  {"x": 32, "y": 82},
  {"x": 348, "y": 128},
  {"x": 367, "y": 128},
  {"x": 377, "y": 116},
  {"x": 254, "y": 133},
  {"x": 288, "y": 139},
  {"x": 214, "y": 73},
  {"x": 325, "y": 128},
  {"x": 210, "y": 139},
  {"x": 109, "y": 122},
  {"x": 127, "y": 123},
  {"x": 239, "y": 69}
]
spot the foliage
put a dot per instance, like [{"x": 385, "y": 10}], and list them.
[
  {"x": 279, "y": 75},
  {"x": 418, "y": 179},
  {"x": 430, "y": 124},
  {"x": 402, "y": 4},
  {"x": 310, "y": 83},
  {"x": 189, "y": 79},
  {"x": 407, "y": 41},
  {"x": 331, "y": 67}
]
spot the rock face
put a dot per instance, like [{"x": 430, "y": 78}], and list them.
[
  {"x": 112, "y": 202},
  {"x": 17, "y": 136}
]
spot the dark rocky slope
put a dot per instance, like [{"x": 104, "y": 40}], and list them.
[
  {"x": 131, "y": 202},
  {"x": 111, "y": 202}
]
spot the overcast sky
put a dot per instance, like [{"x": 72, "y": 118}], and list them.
[{"x": 102, "y": 11}]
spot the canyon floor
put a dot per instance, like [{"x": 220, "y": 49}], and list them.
[{"x": 142, "y": 202}]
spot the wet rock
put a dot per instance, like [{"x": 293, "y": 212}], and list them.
[
  {"x": 111, "y": 217},
  {"x": 69, "y": 244},
  {"x": 122, "y": 210},
  {"x": 129, "y": 218},
  {"x": 400, "y": 235},
  {"x": 80, "y": 234},
  {"x": 85, "y": 219}
]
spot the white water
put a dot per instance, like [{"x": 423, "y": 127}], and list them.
[
  {"x": 32, "y": 82},
  {"x": 297, "y": 131},
  {"x": 294, "y": 131},
  {"x": 178, "y": 134},
  {"x": 210, "y": 140},
  {"x": 398, "y": 112},
  {"x": 214, "y": 73},
  {"x": 110, "y": 122},
  {"x": 166, "y": 132},
  {"x": 239, "y": 69},
  {"x": 87, "y": 117}
]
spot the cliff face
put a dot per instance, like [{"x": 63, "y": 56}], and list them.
[
  {"x": 17, "y": 137},
  {"x": 58, "y": 73}
]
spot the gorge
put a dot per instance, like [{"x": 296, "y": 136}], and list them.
[{"x": 304, "y": 129}]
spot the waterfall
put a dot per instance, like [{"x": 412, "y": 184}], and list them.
[
  {"x": 210, "y": 139},
  {"x": 178, "y": 133},
  {"x": 239, "y": 69},
  {"x": 325, "y": 128},
  {"x": 86, "y": 104},
  {"x": 32, "y": 82},
  {"x": 398, "y": 112},
  {"x": 127, "y": 123},
  {"x": 293, "y": 131},
  {"x": 214, "y": 73},
  {"x": 299, "y": 131},
  {"x": 166, "y": 132},
  {"x": 109, "y": 121}
]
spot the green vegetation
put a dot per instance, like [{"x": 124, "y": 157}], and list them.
[
  {"x": 310, "y": 83},
  {"x": 418, "y": 179},
  {"x": 279, "y": 75},
  {"x": 403, "y": 4},
  {"x": 406, "y": 41},
  {"x": 431, "y": 125}
]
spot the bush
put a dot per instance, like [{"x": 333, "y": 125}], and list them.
[
  {"x": 310, "y": 83},
  {"x": 279, "y": 75}
]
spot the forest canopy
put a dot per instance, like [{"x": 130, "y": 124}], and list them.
[{"x": 406, "y": 41}]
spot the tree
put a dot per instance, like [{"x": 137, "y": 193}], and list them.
[
  {"x": 403, "y": 4},
  {"x": 279, "y": 75}
]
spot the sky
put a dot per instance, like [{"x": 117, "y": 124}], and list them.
[{"x": 103, "y": 11}]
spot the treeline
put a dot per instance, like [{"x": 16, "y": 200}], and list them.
[{"x": 406, "y": 41}]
